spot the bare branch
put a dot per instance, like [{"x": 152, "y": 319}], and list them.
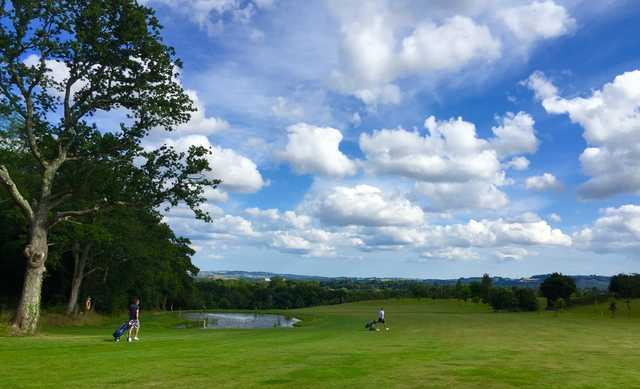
[
  {"x": 69, "y": 215},
  {"x": 59, "y": 198},
  {"x": 28, "y": 122},
  {"x": 21, "y": 202}
]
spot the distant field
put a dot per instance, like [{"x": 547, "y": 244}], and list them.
[{"x": 432, "y": 343}]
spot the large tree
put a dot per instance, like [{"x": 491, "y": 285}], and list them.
[
  {"x": 61, "y": 63},
  {"x": 557, "y": 286}
]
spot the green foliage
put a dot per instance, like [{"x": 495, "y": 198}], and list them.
[
  {"x": 513, "y": 299},
  {"x": 557, "y": 286},
  {"x": 502, "y": 299},
  {"x": 625, "y": 286},
  {"x": 485, "y": 287}
]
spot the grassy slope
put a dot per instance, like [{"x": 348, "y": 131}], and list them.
[{"x": 431, "y": 344}]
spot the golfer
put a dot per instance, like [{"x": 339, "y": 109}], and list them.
[
  {"x": 134, "y": 319},
  {"x": 381, "y": 318}
]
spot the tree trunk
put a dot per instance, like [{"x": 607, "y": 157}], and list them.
[
  {"x": 28, "y": 313},
  {"x": 80, "y": 259}
]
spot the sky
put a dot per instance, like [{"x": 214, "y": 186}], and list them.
[{"x": 414, "y": 139}]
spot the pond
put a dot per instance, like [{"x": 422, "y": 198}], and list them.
[{"x": 240, "y": 320}]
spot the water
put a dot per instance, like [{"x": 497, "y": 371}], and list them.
[{"x": 241, "y": 320}]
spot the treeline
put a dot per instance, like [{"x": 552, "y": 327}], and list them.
[{"x": 559, "y": 291}]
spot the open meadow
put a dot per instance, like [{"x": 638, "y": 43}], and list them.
[{"x": 431, "y": 343}]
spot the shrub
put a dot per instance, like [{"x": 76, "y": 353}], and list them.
[
  {"x": 527, "y": 299},
  {"x": 503, "y": 299}
]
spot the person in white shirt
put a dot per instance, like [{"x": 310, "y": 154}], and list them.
[{"x": 381, "y": 318}]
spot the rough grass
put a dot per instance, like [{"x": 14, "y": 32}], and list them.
[{"x": 446, "y": 344}]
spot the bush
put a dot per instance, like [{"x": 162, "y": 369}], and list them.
[
  {"x": 513, "y": 299},
  {"x": 503, "y": 299},
  {"x": 527, "y": 299}
]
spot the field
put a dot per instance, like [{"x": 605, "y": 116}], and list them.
[{"x": 432, "y": 343}]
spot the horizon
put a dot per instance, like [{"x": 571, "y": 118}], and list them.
[
  {"x": 409, "y": 278},
  {"x": 350, "y": 141}
]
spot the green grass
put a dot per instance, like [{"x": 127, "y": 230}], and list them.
[{"x": 447, "y": 344}]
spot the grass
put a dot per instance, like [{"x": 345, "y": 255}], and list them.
[{"x": 432, "y": 343}]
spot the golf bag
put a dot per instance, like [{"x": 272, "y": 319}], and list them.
[
  {"x": 121, "y": 330},
  {"x": 371, "y": 326}
]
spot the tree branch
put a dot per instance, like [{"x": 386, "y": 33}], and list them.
[
  {"x": 21, "y": 202},
  {"x": 68, "y": 215},
  {"x": 28, "y": 119}
]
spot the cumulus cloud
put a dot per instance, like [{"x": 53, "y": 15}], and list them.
[
  {"x": 212, "y": 15},
  {"x": 375, "y": 56},
  {"x": 512, "y": 253},
  {"x": 518, "y": 163},
  {"x": 238, "y": 173},
  {"x": 453, "y": 167},
  {"x": 450, "y": 152},
  {"x": 312, "y": 149},
  {"x": 498, "y": 233},
  {"x": 467, "y": 195},
  {"x": 386, "y": 42},
  {"x": 611, "y": 121},
  {"x": 200, "y": 123},
  {"x": 451, "y": 254},
  {"x": 364, "y": 205},
  {"x": 286, "y": 109},
  {"x": 273, "y": 216},
  {"x": 507, "y": 237},
  {"x": 616, "y": 230},
  {"x": 537, "y": 20},
  {"x": 448, "y": 46},
  {"x": 544, "y": 182},
  {"x": 515, "y": 135},
  {"x": 554, "y": 217}
]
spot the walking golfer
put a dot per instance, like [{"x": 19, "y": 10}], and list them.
[{"x": 134, "y": 319}]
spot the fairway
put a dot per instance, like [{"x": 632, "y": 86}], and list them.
[{"x": 432, "y": 343}]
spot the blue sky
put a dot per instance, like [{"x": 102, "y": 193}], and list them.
[{"x": 413, "y": 139}]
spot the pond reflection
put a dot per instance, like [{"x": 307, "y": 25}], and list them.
[{"x": 240, "y": 320}]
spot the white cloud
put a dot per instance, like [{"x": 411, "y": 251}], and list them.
[
  {"x": 512, "y": 253},
  {"x": 507, "y": 237},
  {"x": 200, "y": 123},
  {"x": 285, "y": 109},
  {"x": 448, "y": 46},
  {"x": 364, "y": 205},
  {"x": 376, "y": 53},
  {"x": 611, "y": 121},
  {"x": 515, "y": 135},
  {"x": 451, "y": 254},
  {"x": 498, "y": 233},
  {"x": 287, "y": 219},
  {"x": 546, "y": 181},
  {"x": 356, "y": 120},
  {"x": 450, "y": 152},
  {"x": 210, "y": 15},
  {"x": 554, "y": 217},
  {"x": 453, "y": 167},
  {"x": 541, "y": 86},
  {"x": 537, "y": 20},
  {"x": 518, "y": 163},
  {"x": 312, "y": 149},
  {"x": 467, "y": 195},
  {"x": 238, "y": 173},
  {"x": 385, "y": 94},
  {"x": 616, "y": 230},
  {"x": 387, "y": 43}
]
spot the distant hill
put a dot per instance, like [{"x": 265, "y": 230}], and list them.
[{"x": 582, "y": 281}]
